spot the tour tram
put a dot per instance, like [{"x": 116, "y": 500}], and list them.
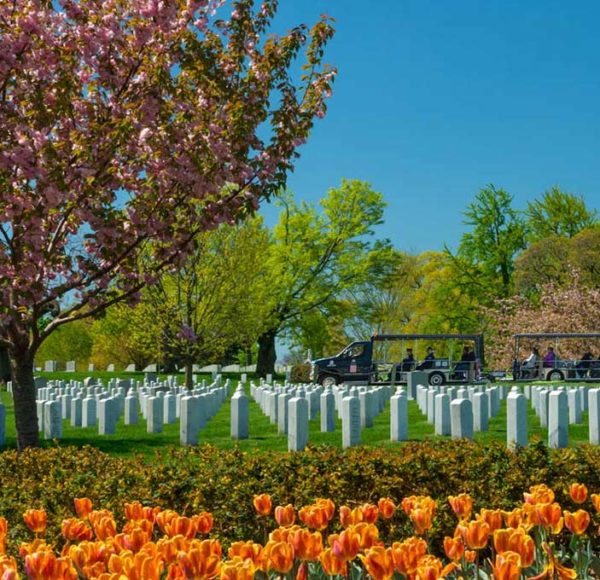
[
  {"x": 388, "y": 358},
  {"x": 557, "y": 356}
]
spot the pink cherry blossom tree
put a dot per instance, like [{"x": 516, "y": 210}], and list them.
[{"x": 127, "y": 127}]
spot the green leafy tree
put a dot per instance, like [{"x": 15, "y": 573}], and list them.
[
  {"x": 121, "y": 337},
  {"x": 487, "y": 252},
  {"x": 72, "y": 342},
  {"x": 315, "y": 257},
  {"x": 207, "y": 307},
  {"x": 558, "y": 213},
  {"x": 553, "y": 260}
]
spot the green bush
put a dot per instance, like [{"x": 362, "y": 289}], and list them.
[{"x": 224, "y": 482}]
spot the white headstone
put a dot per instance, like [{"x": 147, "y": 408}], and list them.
[
  {"x": 91, "y": 368},
  {"x": 481, "y": 411},
  {"x": 52, "y": 420},
  {"x": 239, "y": 418},
  {"x": 574, "y": 400},
  {"x": 297, "y": 423},
  {"x": 399, "y": 416},
  {"x": 461, "y": 418},
  {"x": 154, "y": 410},
  {"x": 88, "y": 413},
  {"x": 189, "y": 426},
  {"x": 71, "y": 366},
  {"x": 516, "y": 419},
  {"x": 110, "y": 368},
  {"x": 327, "y": 401},
  {"x": 169, "y": 411},
  {"x": 594, "y": 415},
  {"x": 558, "y": 420},
  {"x": 442, "y": 415},
  {"x": 107, "y": 416},
  {"x": 351, "y": 420},
  {"x": 76, "y": 411},
  {"x": 282, "y": 413},
  {"x": 132, "y": 408}
]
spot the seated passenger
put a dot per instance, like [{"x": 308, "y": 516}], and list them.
[
  {"x": 550, "y": 358},
  {"x": 585, "y": 364},
  {"x": 408, "y": 363},
  {"x": 466, "y": 364},
  {"x": 428, "y": 360},
  {"x": 529, "y": 367}
]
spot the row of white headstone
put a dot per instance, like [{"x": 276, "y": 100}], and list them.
[
  {"x": 89, "y": 404},
  {"x": 457, "y": 412}
]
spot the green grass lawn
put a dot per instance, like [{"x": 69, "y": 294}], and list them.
[{"x": 133, "y": 439}]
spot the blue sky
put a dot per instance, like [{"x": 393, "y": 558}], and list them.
[{"x": 436, "y": 99}]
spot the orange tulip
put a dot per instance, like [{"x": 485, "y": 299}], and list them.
[
  {"x": 83, "y": 507},
  {"x": 181, "y": 526},
  {"x": 204, "y": 522},
  {"x": 282, "y": 534},
  {"x": 547, "y": 515},
  {"x": 8, "y": 568},
  {"x": 306, "y": 546},
  {"x": 45, "y": 566},
  {"x": 577, "y": 522},
  {"x": 461, "y": 505},
  {"x": 476, "y": 534},
  {"x": 145, "y": 525},
  {"x": 3, "y": 532},
  {"x": 368, "y": 535},
  {"x": 422, "y": 519},
  {"x": 133, "y": 541},
  {"x": 38, "y": 545},
  {"x": 370, "y": 513},
  {"x": 164, "y": 517},
  {"x": 502, "y": 540},
  {"x": 522, "y": 543},
  {"x": 327, "y": 506},
  {"x": 302, "y": 573},
  {"x": 515, "y": 518},
  {"x": 350, "y": 517},
  {"x": 105, "y": 528},
  {"x": 246, "y": 551},
  {"x": 378, "y": 562},
  {"x": 332, "y": 565},
  {"x": 315, "y": 516},
  {"x": 431, "y": 568},
  {"x": 345, "y": 546},
  {"x": 279, "y": 556},
  {"x": 262, "y": 504},
  {"x": 285, "y": 515},
  {"x": 454, "y": 548},
  {"x": 407, "y": 554},
  {"x": 492, "y": 518},
  {"x": 238, "y": 569},
  {"x": 418, "y": 501},
  {"x": 578, "y": 492},
  {"x": 75, "y": 530},
  {"x": 596, "y": 501},
  {"x": 539, "y": 494},
  {"x": 507, "y": 566},
  {"x": 197, "y": 564},
  {"x": 386, "y": 508},
  {"x": 35, "y": 520}
]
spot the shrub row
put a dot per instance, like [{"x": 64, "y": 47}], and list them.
[{"x": 225, "y": 482}]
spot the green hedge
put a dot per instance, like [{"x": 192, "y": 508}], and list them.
[{"x": 224, "y": 482}]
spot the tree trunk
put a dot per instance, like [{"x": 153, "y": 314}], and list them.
[
  {"x": 265, "y": 362},
  {"x": 189, "y": 373},
  {"x": 24, "y": 397}
]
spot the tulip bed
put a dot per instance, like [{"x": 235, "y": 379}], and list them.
[{"x": 537, "y": 539}]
